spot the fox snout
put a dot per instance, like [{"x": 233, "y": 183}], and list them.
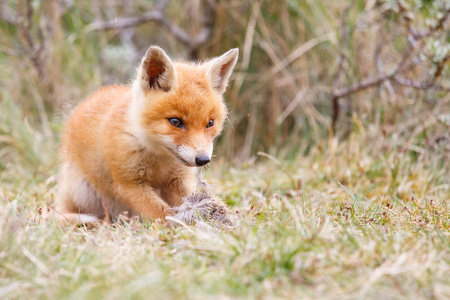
[
  {"x": 202, "y": 160},
  {"x": 179, "y": 106},
  {"x": 192, "y": 157}
]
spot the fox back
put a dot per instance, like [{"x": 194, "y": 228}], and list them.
[{"x": 136, "y": 150}]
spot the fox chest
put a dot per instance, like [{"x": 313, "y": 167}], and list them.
[{"x": 163, "y": 175}]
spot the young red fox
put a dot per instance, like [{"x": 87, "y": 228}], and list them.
[{"x": 135, "y": 149}]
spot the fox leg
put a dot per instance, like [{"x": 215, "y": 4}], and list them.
[
  {"x": 77, "y": 202},
  {"x": 179, "y": 186},
  {"x": 175, "y": 191},
  {"x": 143, "y": 201}
]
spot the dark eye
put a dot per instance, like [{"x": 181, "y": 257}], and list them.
[
  {"x": 210, "y": 123},
  {"x": 176, "y": 122}
]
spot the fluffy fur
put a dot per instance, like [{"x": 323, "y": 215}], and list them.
[
  {"x": 202, "y": 206},
  {"x": 121, "y": 151}
]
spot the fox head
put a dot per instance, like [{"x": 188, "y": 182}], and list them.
[{"x": 178, "y": 107}]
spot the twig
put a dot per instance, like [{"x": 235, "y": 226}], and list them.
[
  {"x": 419, "y": 85},
  {"x": 439, "y": 25},
  {"x": 126, "y": 34},
  {"x": 28, "y": 45},
  {"x": 439, "y": 69},
  {"x": 367, "y": 83},
  {"x": 344, "y": 32},
  {"x": 151, "y": 16},
  {"x": 414, "y": 37},
  {"x": 158, "y": 16}
]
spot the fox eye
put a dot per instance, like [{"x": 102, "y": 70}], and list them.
[
  {"x": 176, "y": 122},
  {"x": 210, "y": 123}
]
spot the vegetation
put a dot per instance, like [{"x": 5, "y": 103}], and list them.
[{"x": 335, "y": 165}]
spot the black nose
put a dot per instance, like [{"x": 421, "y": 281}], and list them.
[{"x": 202, "y": 160}]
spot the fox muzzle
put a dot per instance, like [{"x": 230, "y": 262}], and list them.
[{"x": 202, "y": 160}]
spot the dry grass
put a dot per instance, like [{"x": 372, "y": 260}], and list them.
[
  {"x": 359, "y": 213},
  {"x": 365, "y": 218}
]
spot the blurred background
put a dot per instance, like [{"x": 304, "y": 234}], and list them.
[{"x": 309, "y": 71}]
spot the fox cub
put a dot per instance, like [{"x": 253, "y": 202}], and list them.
[{"x": 136, "y": 149}]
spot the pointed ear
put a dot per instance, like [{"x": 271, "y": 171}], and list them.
[
  {"x": 156, "y": 70},
  {"x": 220, "y": 69}
]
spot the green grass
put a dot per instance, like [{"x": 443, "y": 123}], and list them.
[
  {"x": 363, "y": 214},
  {"x": 364, "y": 218}
]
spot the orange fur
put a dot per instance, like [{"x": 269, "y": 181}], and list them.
[{"x": 120, "y": 151}]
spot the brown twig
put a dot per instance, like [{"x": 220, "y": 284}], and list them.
[
  {"x": 126, "y": 34},
  {"x": 438, "y": 26},
  {"x": 370, "y": 82},
  {"x": 151, "y": 16},
  {"x": 419, "y": 85},
  {"x": 414, "y": 37},
  {"x": 364, "y": 84},
  {"x": 344, "y": 32},
  {"x": 34, "y": 50},
  {"x": 158, "y": 16}
]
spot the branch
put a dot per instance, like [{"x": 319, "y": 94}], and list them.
[
  {"x": 419, "y": 85},
  {"x": 151, "y": 16},
  {"x": 414, "y": 37},
  {"x": 159, "y": 17},
  {"x": 344, "y": 32},
  {"x": 28, "y": 44},
  {"x": 438, "y": 26},
  {"x": 366, "y": 83}
]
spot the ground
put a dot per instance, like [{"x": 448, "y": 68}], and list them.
[{"x": 361, "y": 218}]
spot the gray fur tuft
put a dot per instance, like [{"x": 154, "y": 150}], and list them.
[{"x": 202, "y": 206}]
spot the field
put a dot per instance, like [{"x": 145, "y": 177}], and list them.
[
  {"x": 335, "y": 164},
  {"x": 366, "y": 218}
]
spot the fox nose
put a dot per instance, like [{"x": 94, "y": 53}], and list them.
[{"x": 202, "y": 160}]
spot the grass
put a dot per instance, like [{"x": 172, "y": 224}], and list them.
[
  {"x": 364, "y": 218},
  {"x": 359, "y": 214}
]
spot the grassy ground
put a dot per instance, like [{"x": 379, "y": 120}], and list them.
[{"x": 364, "y": 218}]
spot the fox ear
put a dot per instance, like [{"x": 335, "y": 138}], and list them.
[
  {"x": 220, "y": 70},
  {"x": 156, "y": 70}
]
